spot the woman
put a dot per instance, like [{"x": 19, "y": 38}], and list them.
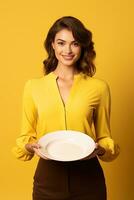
[{"x": 67, "y": 97}]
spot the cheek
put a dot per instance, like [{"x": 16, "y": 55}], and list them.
[
  {"x": 57, "y": 51},
  {"x": 57, "y": 55},
  {"x": 77, "y": 51}
]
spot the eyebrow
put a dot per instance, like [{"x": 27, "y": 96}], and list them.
[{"x": 65, "y": 41}]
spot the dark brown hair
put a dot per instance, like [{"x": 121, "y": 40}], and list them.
[{"x": 82, "y": 35}]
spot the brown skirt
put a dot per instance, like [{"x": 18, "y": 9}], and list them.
[{"x": 76, "y": 180}]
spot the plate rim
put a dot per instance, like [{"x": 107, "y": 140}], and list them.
[{"x": 66, "y": 132}]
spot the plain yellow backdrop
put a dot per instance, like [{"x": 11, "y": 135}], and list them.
[{"x": 24, "y": 25}]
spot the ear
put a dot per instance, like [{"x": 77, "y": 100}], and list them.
[{"x": 52, "y": 45}]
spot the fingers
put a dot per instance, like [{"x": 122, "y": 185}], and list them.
[
  {"x": 92, "y": 155},
  {"x": 35, "y": 145},
  {"x": 36, "y": 150},
  {"x": 30, "y": 147},
  {"x": 96, "y": 145},
  {"x": 97, "y": 151}
]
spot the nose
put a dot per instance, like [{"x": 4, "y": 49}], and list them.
[{"x": 68, "y": 49}]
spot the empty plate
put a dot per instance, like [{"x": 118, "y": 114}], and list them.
[{"x": 66, "y": 145}]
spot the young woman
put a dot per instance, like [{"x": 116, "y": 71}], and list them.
[{"x": 67, "y": 97}]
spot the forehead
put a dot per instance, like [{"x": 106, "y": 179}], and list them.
[{"x": 65, "y": 34}]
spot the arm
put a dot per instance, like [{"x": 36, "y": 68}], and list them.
[
  {"x": 28, "y": 125},
  {"x": 102, "y": 125}
]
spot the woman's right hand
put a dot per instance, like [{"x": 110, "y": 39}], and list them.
[
  {"x": 34, "y": 148},
  {"x": 98, "y": 151}
]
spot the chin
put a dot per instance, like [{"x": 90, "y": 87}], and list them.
[{"x": 68, "y": 64}]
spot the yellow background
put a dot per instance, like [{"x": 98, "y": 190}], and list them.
[{"x": 24, "y": 25}]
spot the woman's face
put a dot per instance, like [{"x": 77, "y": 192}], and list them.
[{"x": 67, "y": 49}]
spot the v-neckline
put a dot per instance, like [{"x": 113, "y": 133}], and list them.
[{"x": 76, "y": 78}]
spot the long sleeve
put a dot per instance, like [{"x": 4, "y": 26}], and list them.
[
  {"x": 28, "y": 125},
  {"x": 102, "y": 125}
]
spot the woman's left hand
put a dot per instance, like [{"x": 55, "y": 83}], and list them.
[{"x": 99, "y": 151}]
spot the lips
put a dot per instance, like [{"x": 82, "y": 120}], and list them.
[{"x": 67, "y": 57}]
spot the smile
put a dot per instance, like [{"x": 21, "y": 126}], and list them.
[{"x": 68, "y": 57}]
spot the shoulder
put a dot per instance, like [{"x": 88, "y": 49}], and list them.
[
  {"x": 98, "y": 83},
  {"x": 103, "y": 87},
  {"x": 34, "y": 83},
  {"x": 99, "y": 86}
]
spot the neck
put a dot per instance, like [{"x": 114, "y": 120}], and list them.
[{"x": 65, "y": 72}]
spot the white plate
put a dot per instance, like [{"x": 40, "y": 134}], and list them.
[{"x": 66, "y": 145}]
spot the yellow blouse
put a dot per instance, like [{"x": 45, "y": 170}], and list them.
[{"x": 87, "y": 110}]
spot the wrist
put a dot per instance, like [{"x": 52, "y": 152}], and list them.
[
  {"x": 101, "y": 154},
  {"x": 29, "y": 148},
  {"x": 101, "y": 151}
]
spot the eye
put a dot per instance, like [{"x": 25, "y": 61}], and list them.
[
  {"x": 76, "y": 44},
  {"x": 61, "y": 43}
]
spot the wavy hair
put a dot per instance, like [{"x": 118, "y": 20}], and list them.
[{"x": 82, "y": 35}]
